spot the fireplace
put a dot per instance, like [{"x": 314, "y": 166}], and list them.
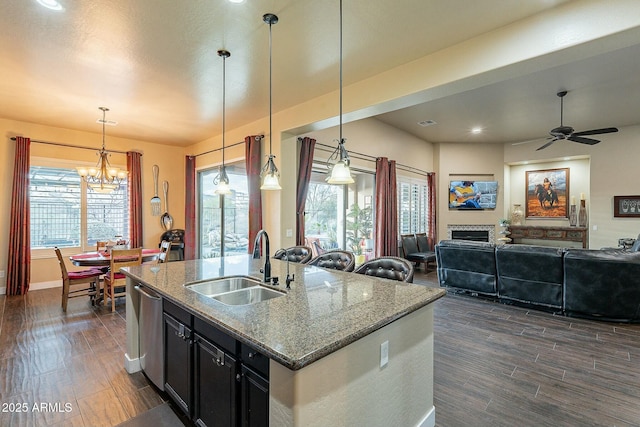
[{"x": 477, "y": 233}]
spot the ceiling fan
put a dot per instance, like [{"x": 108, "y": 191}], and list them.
[{"x": 567, "y": 132}]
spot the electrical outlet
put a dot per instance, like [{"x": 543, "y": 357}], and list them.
[
  {"x": 384, "y": 354},
  {"x": 1, "y": 274},
  {"x": 289, "y": 232}
]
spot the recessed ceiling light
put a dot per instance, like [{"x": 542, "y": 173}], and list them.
[
  {"x": 236, "y": 1},
  {"x": 476, "y": 130},
  {"x": 50, "y": 4}
]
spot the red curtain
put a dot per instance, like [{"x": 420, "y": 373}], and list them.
[
  {"x": 432, "y": 231},
  {"x": 307, "y": 146},
  {"x": 190, "y": 208},
  {"x": 252, "y": 158},
  {"x": 386, "y": 227},
  {"x": 135, "y": 198},
  {"x": 19, "y": 260}
]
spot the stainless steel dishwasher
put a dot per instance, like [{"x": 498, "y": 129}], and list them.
[{"x": 150, "y": 335}]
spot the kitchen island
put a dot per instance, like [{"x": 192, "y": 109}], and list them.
[{"x": 324, "y": 339}]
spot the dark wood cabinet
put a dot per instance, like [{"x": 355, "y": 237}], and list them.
[
  {"x": 178, "y": 356},
  {"x": 213, "y": 378},
  {"x": 255, "y": 399},
  {"x": 560, "y": 234}
]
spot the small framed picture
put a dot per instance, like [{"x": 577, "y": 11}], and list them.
[{"x": 626, "y": 206}]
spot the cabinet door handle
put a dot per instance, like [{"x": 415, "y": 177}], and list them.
[{"x": 252, "y": 355}]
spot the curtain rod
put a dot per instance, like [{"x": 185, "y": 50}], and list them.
[
  {"x": 60, "y": 144},
  {"x": 218, "y": 149},
  {"x": 371, "y": 158}
]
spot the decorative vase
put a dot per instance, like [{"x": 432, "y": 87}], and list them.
[
  {"x": 582, "y": 214},
  {"x": 573, "y": 216},
  {"x": 516, "y": 215}
]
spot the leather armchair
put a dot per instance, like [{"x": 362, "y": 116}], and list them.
[
  {"x": 393, "y": 268},
  {"x": 335, "y": 260},
  {"x": 299, "y": 254}
]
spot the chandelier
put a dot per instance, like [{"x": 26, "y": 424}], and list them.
[
  {"x": 103, "y": 178},
  {"x": 338, "y": 162}
]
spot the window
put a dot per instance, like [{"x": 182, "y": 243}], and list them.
[
  {"x": 65, "y": 213},
  {"x": 413, "y": 206},
  {"x": 226, "y": 216},
  {"x": 340, "y": 216}
]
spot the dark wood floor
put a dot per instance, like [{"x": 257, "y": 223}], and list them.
[{"x": 495, "y": 365}]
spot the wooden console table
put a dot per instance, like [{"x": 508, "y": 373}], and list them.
[{"x": 570, "y": 234}]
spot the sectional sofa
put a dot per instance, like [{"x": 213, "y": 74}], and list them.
[{"x": 599, "y": 284}]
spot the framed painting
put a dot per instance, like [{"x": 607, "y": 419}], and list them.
[
  {"x": 547, "y": 193},
  {"x": 626, "y": 206}
]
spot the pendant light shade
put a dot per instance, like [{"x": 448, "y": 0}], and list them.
[
  {"x": 270, "y": 175},
  {"x": 221, "y": 181},
  {"x": 338, "y": 163},
  {"x": 103, "y": 178}
]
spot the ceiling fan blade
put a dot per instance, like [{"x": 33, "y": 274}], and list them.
[
  {"x": 582, "y": 140},
  {"x": 595, "y": 131},
  {"x": 547, "y": 144}
]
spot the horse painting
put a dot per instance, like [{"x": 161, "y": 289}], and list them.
[{"x": 546, "y": 196}]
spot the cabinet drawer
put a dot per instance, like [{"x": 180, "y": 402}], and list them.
[
  {"x": 178, "y": 312},
  {"x": 215, "y": 335},
  {"x": 256, "y": 360}
]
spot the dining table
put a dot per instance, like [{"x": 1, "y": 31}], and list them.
[{"x": 103, "y": 258}]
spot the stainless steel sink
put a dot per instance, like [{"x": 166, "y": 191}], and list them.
[
  {"x": 226, "y": 284},
  {"x": 234, "y": 290},
  {"x": 248, "y": 296}
]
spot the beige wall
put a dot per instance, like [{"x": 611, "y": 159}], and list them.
[
  {"x": 612, "y": 171},
  {"x": 476, "y": 162}
]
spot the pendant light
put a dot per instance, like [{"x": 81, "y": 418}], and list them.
[
  {"x": 222, "y": 180},
  {"x": 338, "y": 163},
  {"x": 103, "y": 178},
  {"x": 270, "y": 175}
]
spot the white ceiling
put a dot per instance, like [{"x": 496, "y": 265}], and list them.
[{"x": 154, "y": 64}]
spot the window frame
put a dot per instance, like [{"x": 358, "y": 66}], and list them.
[{"x": 44, "y": 253}]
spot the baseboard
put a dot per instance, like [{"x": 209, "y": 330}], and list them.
[
  {"x": 45, "y": 285},
  {"x": 131, "y": 365},
  {"x": 429, "y": 420},
  {"x": 37, "y": 286}
]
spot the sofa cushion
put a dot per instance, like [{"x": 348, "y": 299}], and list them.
[
  {"x": 602, "y": 284},
  {"x": 467, "y": 265},
  {"x": 530, "y": 274}
]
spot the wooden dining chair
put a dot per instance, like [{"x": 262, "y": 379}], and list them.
[
  {"x": 165, "y": 248},
  {"x": 88, "y": 278},
  {"x": 101, "y": 246},
  {"x": 114, "y": 280}
]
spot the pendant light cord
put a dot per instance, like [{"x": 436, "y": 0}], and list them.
[
  {"x": 224, "y": 99},
  {"x": 340, "y": 72},
  {"x": 104, "y": 119},
  {"x": 271, "y": 87}
]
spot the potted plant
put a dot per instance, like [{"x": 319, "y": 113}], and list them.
[
  {"x": 504, "y": 222},
  {"x": 359, "y": 227}
]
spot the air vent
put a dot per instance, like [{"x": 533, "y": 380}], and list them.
[
  {"x": 426, "y": 123},
  {"x": 107, "y": 122}
]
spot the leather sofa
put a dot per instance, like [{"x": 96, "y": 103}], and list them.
[
  {"x": 467, "y": 265},
  {"x": 598, "y": 284}
]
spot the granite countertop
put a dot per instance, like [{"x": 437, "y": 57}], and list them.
[{"x": 323, "y": 311}]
